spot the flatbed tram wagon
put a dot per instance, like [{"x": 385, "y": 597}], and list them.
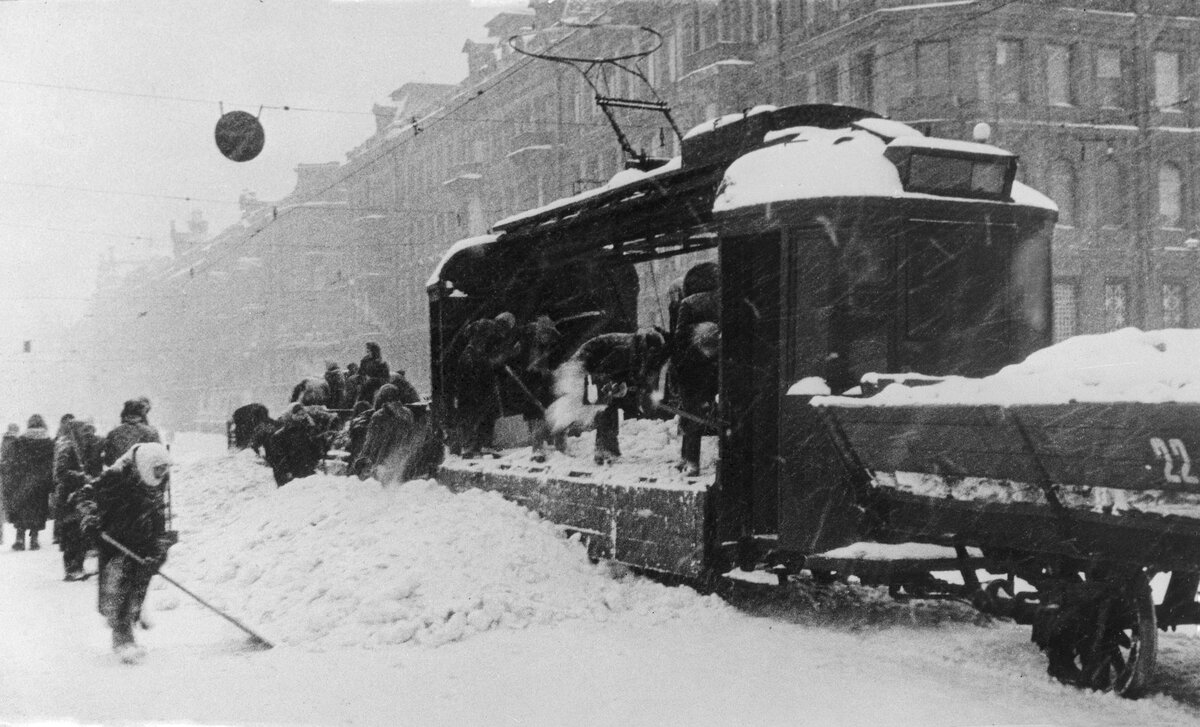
[{"x": 847, "y": 244}]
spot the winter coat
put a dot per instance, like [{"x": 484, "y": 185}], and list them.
[
  {"x": 633, "y": 359},
  {"x": 132, "y": 430},
  {"x": 388, "y": 435},
  {"x": 76, "y": 461},
  {"x": 29, "y": 479},
  {"x": 300, "y": 442},
  {"x": 126, "y": 508},
  {"x": 335, "y": 380}
]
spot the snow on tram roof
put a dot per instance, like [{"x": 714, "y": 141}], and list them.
[
  {"x": 818, "y": 163},
  {"x": 456, "y": 248},
  {"x": 622, "y": 178}
]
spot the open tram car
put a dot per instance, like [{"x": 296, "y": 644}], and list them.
[{"x": 847, "y": 244}]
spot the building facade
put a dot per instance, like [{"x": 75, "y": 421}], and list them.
[{"x": 1096, "y": 96}]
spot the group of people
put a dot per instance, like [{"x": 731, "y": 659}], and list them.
[
  {"x": 369, "y": 411},
  {"x": 106, "y": 493},
  {"x": 547, "y": 378}
]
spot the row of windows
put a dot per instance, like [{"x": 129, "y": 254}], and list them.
[
  {"x": 1116, "y": 306},
  {"x": 1062, "y": 185},
  {"x": 1062, "y": 65}
]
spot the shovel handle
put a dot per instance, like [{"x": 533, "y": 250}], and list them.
[{"x": 257, "y": 639}]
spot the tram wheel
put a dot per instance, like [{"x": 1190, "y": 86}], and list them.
[
  {"x": 1123, "y": 650},
  {"x": 1111, "y": 642}
]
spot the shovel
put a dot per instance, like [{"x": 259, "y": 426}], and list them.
[{"x": 255, "y": 640}]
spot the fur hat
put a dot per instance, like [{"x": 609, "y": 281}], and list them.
[
  {"x": 36, "y": 422},
  {"x": 386, "y": 393}
]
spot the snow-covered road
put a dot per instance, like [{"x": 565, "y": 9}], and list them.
[{"x": 697, "y": 665}]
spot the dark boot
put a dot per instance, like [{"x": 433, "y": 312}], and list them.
[
  {"x": 19, "y": 543},
  {"x": 33, "y": 540}
]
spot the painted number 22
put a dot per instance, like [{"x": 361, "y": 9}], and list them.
[{"x": 1168, "y": 451}]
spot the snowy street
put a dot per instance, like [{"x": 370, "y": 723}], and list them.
[{"x": 650, "y": 655}]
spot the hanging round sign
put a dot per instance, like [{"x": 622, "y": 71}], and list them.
[{"x": 240, "y": 136}]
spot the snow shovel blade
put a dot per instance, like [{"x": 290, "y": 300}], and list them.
[{"x": 255, "y": 640}]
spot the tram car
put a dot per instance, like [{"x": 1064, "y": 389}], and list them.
[{"x": 847, "y": 244}]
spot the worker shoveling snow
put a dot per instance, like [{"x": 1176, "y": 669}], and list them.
[{"x": 335, "y": 561}]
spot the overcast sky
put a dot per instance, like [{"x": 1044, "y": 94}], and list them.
[{"x": 107, "y": 110}]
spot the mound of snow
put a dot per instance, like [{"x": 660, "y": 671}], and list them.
[
  {"x": 335, "y": 561},
  {"x": 1128, "y": 365}
]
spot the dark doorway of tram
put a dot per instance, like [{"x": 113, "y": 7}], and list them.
[
  {"x": 748, "y": 474},
  {"x": 583, "y": 294}
]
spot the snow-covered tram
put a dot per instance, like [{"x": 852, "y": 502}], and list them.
[{"x": 847, "y": 244}]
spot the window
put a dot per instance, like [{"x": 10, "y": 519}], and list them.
[
  {"x": 1066, "y": 309},
  {"x": 708, "y": 26},
  {"x": 862, "y": 79},
  {"x": 1010, "y": 71},
  {"x": 1110, "y": 83},
  {"x": 1174, "y": 303},
  {"x": 827, "y": 84},
  {"x": 1170, "y": 196},
  {"x": 1166, "y": 81},
  {"x": 1062, "y": 190},
  {"x": 730, "y": 22},
  {"x": 1116, "y": 304},
  {"x": 1110, "y": 195},
  {"x": 933, "y": 68},
  {"x": 1060, "y": 64}
]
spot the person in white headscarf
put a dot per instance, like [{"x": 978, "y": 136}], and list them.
[{"x": 128, "y": 502}]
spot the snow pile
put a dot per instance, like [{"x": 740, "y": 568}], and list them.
[
  {"x": 650, "y": 450},
  {"x": 1128, "y": 365},
  {"x": 335, "y": 561}
]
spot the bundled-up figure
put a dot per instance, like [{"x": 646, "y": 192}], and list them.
[
  {"x": 133, "y": 429},
  {"x": 252, "y": 424},
  {"x": 351, "y": 383},
  {"x": 487, "y": 345},
  {"x": 76, "y": 462},
  {"x": 625, "y": 369},
  {"x": 695, "y": 352},
  {"x": 335, "y": 381},
  {"x": 300, "y": 443},
  {"x": 387, "y": 445},
  {"x": 128, "y": 503},
  {"x": 373, "y": 372},
  {"x": 529, "y": 380},
  {"x": 10, "y": 436},
  {"x": 311, "y": 391},
  {"x": 28, "y": 481}
]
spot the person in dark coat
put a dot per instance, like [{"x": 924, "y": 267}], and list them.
[
  {"x": 133, "y": 429},
  {"x": 10, "y": 436},
  {"x": 29, "y": 481},
  {"x": 695, "y": 358},
  {"x": 408, "y": 392},
  {"x": 300, "y": 443},
  {"x": 249, "y": 421},
  {"x": 387, "y": 445},
  {"x": 356, "y": 432},
  {"x": 76, "y": 462},
  {"x": 487, "y": 345},
  {"x": 335, "y": 381},
  {"x": 625, "y": 369},
  {"x": 529, "y": 381},
  {"x": 128, "y": 503},
  {"x": 311, "y": 391},
  {"x": 352, "y": 382},
  {"x": 373, "y": 373}
]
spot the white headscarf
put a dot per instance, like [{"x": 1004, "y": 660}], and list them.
[{"x": 145, "y": 457}]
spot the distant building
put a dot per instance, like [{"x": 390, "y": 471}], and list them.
[{"x": 1095, "y": 96}]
